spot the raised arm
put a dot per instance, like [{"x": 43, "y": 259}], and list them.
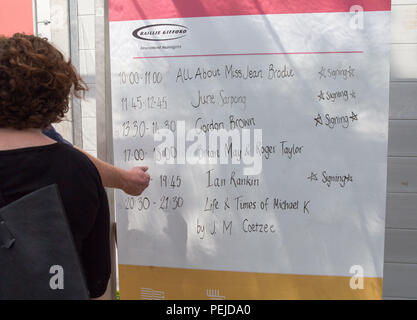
[{"x": 133, "y": 181}]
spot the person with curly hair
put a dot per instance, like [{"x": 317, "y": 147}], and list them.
[
  {"x": 133, "y": 181},
  {"x": 35, "y": 84}
]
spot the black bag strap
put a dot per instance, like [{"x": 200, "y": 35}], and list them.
[
  {"x": 2, "y": 201},
  {"x": 6, "y": 238}
]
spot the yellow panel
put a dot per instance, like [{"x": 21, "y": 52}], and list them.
[{"x": 138, "y": 282}]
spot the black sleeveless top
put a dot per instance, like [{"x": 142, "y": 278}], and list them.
[{"x": 25, "y": 170}]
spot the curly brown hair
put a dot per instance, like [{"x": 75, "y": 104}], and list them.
[{"x": 35, "y": 83}]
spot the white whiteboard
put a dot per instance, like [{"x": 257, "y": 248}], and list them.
[{"x": 335, "y": 73}]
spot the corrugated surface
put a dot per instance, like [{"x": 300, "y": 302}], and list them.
[{"x": 400, "y": 269}]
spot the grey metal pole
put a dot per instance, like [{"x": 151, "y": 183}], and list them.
[
  {"x": 35, "y": 17},
  {"x": 77, "y": 124},
  {"x": 104, "y": 117}
]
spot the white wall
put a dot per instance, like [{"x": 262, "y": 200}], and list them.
[
  {"x": 52, "y": 23},
  {"x": 86, "y": 48}
]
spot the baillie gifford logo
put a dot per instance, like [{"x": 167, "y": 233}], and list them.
[{"x": 160, "y": 32}]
